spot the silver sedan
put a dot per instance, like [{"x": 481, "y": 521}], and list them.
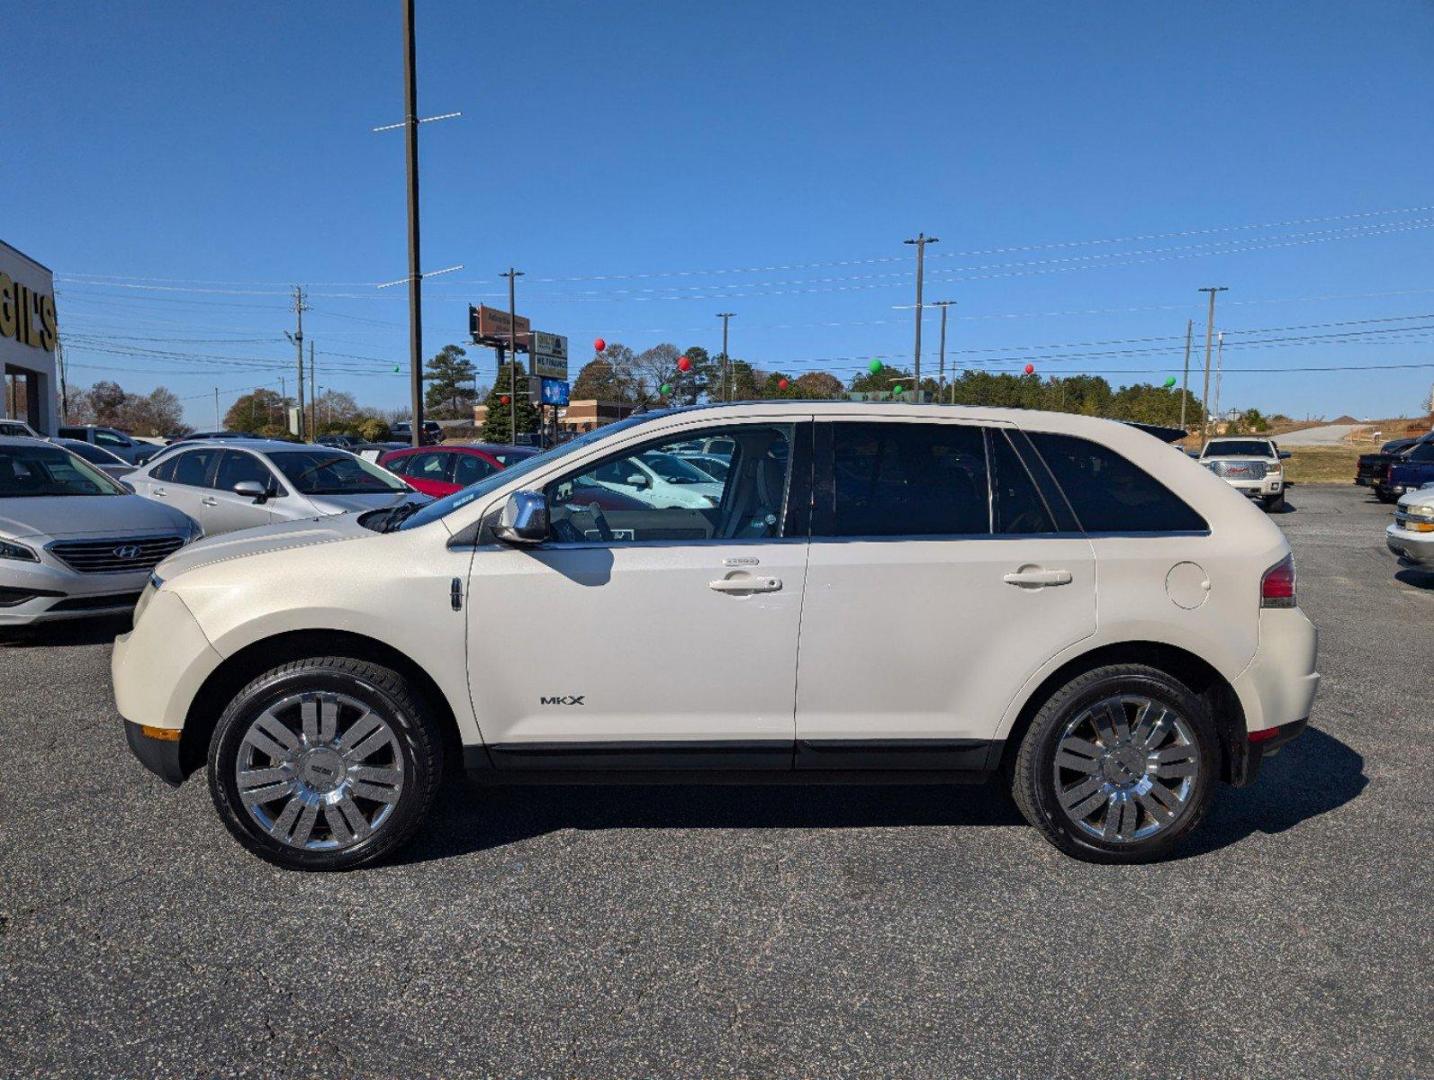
[
  {"x": 73, "y": 542},
  {"x": 244, "y": 483}
]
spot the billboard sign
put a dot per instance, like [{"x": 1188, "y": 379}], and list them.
[
  {"x": 490, "y": 326},
  {"x": 549, "y": 355},
  {"x": 555, "y": 392}
]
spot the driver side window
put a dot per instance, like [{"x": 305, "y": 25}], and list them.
[{"x": 656, "y": 493}]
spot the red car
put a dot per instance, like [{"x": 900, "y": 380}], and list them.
[{"x": 442, "y": 470}]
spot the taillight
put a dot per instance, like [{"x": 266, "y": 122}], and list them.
[{"x": 1277, "y": 587}]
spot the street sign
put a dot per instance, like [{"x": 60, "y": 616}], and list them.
[
  {"x": 490, "y": 326},
  {"x": 549, "y": 355},
  {"x": 555, "y": 392}
]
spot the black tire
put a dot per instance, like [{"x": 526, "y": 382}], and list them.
[
  {"x": 416, "y": 739},
  {"x": 1033, "y": 776},
  {"x": 1385, "y": 496},
  {"x": 1274, "y": 503}
]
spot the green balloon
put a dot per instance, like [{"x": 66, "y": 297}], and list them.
[
  {"x": 874, "y": 366},
  {"x": 897, "y": 391},
  {"x": 666, "y": 389},
  {"x": 1170, "y": 382}
]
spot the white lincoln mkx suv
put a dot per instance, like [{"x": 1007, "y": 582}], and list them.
[{"x": 877, "y": 592}]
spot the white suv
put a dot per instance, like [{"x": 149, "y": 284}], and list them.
[
  {"x": 1252, "y": 466},
  {"x": 895, "y": 592}
]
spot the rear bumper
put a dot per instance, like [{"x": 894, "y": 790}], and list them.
[
  {"x": 1245, "y": 769},
  {"x": 1278, "y": 685}
]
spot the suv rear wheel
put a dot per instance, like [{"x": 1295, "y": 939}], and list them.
[
  {"x": 325, "y": 764},
  {"x": 1118, "y": 766}
]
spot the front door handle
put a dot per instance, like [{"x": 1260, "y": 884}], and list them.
[
  {"x": 745, "y": 585},
  {"x": 1035, "y": 578},
  {"x": 208, "y": 500},
  {"x": 160, "y": 493}
]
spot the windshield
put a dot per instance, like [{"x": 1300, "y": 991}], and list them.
[
  {"x": 28, "y": 471},
  {"x": 1239, "y": 448},
  {"x": 329, "y": 472},
  {"x": 459, "y": 499}
]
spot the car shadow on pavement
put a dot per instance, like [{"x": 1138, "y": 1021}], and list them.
[
  {"x": 57, "y": 635},
  {"x": 1413, "y": 575},
  {"x": 469, "y": 818},
  {"x": 1311, "y": 776}
]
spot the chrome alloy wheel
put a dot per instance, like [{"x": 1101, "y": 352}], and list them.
[
  {"x": 319, "y": 771},
  {"x": 1126, "y": 768}
]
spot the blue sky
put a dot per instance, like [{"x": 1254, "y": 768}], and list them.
[{"x": 1086, "y": 167}]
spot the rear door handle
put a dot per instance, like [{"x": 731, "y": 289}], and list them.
[
  {"x": 1034, "y": 578},
  {"x": 745, "y": 585},
  {"x": 160, "y": 493}
]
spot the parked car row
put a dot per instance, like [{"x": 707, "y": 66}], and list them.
[{"x": 1385, "y": 472}]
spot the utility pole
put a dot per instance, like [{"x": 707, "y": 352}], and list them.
[
  {"x": 726, "y": 361},
  {"x": 921, "y": 241},
  {"x": 64, "y": 386},
  {"x": 219, "y": 424},
  {"x": 297, "y": 337},
  {"x": 313, "y": 396},
  {"x": 941, "y": 383},
  {"x": 1219, "y": 368},
  {"x": 513, "y": 276},
  {"x": 1209, "y": 342},
  {"x": 415, "y": 276},
  {"x": 1185, "y": 381}
]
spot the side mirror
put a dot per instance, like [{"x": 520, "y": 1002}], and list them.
[
  {"x": 252, "y": 489},
  {"x": 636, "y": 480},
  {"x": 1284, "y": 455},
  {"x": 524, "y": 519}
]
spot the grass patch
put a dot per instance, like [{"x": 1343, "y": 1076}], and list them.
[{"x": 1324, "y": 464}]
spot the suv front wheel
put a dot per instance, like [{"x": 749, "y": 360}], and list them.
[
  {"x": 327, "y": 763},
  {"x": 1118, "y": 766}
]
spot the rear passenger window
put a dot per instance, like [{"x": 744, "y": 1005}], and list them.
[
  {"x": 469, "y": 469},
  {"x": 192, "y": 468},
  {"x": 1108, "y": 493},
  {"x": 1019, "y": 508},
  {"x": 909, "y": 480}
]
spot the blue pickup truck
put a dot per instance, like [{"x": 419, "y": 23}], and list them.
[{"x": 1413, "y": 470}]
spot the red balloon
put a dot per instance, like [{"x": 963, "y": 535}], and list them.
[
  {"x": 1030, "y": 369},
  {"x": 782, "y": 384},
  {"x": 684, "y": 364},
  {"x": 506, "y": 400},
  {"x": 599, "y": 345}
]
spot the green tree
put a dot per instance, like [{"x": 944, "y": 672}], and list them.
[
  {"x": 819, "y": 386},
  {"x": 373, "y": 429},
  {"x": 498, "y": 425},
  {"x": 259, "y": 412},
  {"x": 450, "y": 394},
  {"x": 877, "y": 382},
  {"x": 597, "y": 381}
]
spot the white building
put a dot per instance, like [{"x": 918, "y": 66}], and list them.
[{"x": 29, "y": 333}]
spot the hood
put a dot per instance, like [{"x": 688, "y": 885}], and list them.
[
  {"x": 342, "y": 504},
  {"x": 88, "y": 515},
  {"x": 261, "y": 541},
  {"x": 1419, "y": 497}
]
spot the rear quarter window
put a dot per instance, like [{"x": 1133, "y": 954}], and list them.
[{"x": 1110, "y": 494}]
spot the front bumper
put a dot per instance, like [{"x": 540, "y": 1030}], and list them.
[
  {"x": 159, "y": 666},
  {"x": 1258, "y": 489},
  {"x": 1416, "y": 547},
  {"x": 34, "y": 592},
  {"x": 160, "y": 755}
]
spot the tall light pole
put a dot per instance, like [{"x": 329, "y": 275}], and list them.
[
  {"x": 1209, "y": 342},
  {"x": 726, "y": 360},
  {"x": 415, "y": 276},
  {"x": 1219, "y": 368},
  {"x": 297, "y": 337},
  {"x": 1185, "y": 381},
  {"x": 941, "y": 383},
  {"x": 920, "y": 241},
  {"x": 513, "y": 276}
]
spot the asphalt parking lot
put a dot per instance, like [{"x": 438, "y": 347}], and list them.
[{"x": 743, "y": 931}]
